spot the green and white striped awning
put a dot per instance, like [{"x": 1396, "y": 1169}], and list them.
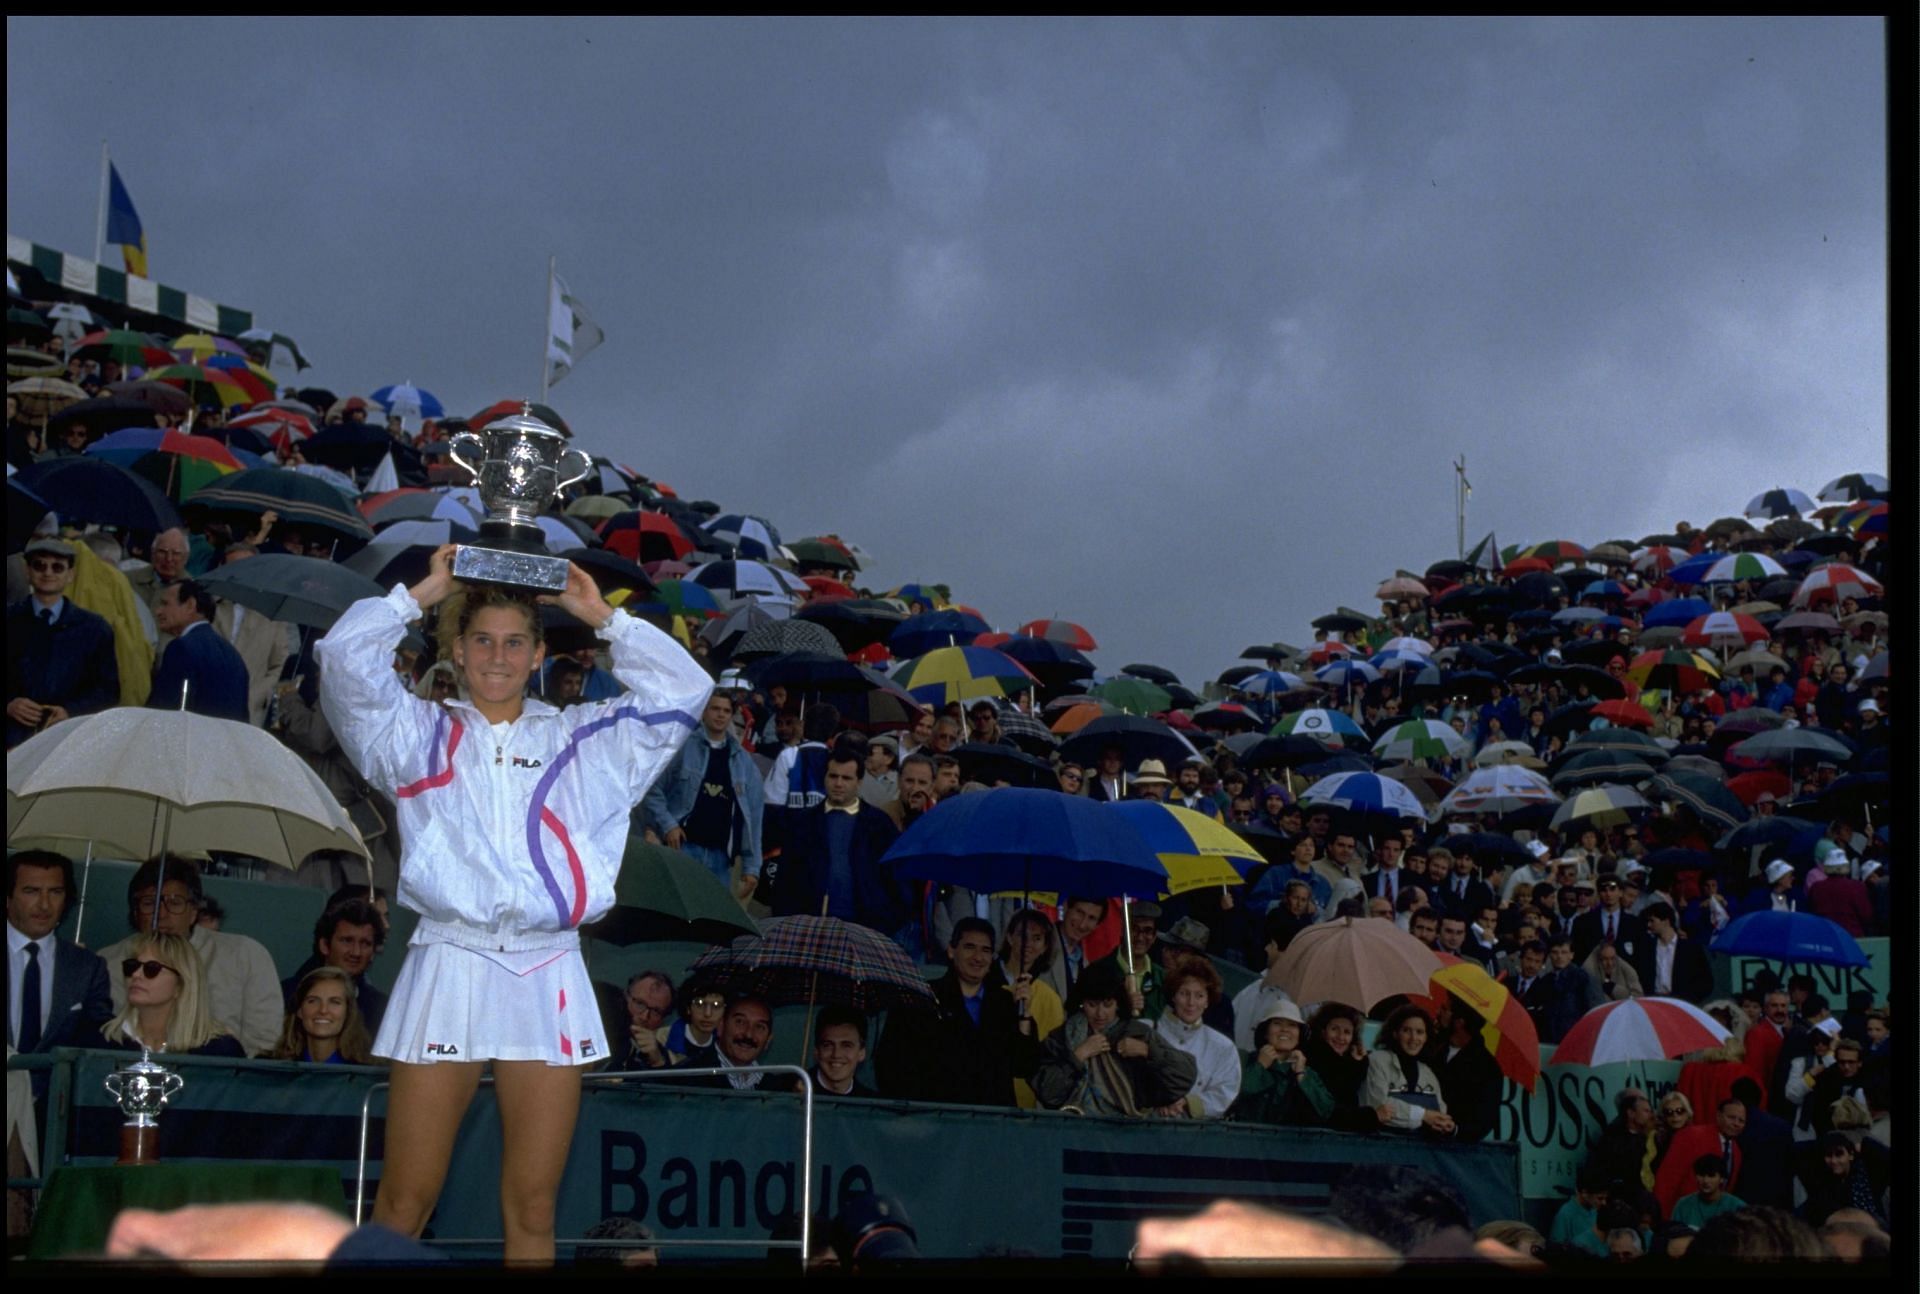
[{"x": 85, "y": 278}]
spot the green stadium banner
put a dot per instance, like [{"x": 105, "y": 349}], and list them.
[{"x": 723, "y": 1165}]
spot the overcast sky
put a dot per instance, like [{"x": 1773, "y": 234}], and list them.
[{"x": 1171, "y": 328}]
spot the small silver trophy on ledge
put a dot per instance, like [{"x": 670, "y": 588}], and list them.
[
  {"x": 518, "y": 473},
  {"x": 142, "y": 1090}
]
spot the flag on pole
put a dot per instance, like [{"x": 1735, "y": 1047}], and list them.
[
  {"x": 1485, "y": 555},
  {"x": 570, "y": 333},
  {"x": 123, "y": 225}
]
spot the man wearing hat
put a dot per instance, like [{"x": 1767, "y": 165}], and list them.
[
  {"x": 60, "y": 658},
  {"x": 1151, "y": 781},
  {"x": 1840, "y": 898},
  {"x": 1536, "y": 871},
  {"x": 1781, "y": 893}
]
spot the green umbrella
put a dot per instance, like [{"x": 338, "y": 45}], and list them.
[
  {"x": 819, "y": 552},
  {"x": 663, "y": 894},
  {"x": 1133, "y": 695}
]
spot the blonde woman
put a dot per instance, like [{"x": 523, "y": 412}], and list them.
[
  {"x": 167, "y": 1002},
  {"x": 324, "y": 1027},
  {"x": 1673, "y": 1116}
]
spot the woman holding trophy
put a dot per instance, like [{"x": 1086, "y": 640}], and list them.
[{"x": 514, "y": 821}]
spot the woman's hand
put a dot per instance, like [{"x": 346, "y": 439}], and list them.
[
  {"x": 1266, "y": 1056},
  {"x": 1297, "y": 1061},
  {"x": 1132, "y": 1048},
  {"x": 581, "y": 599},
  {"x": 433, "y": 590},
  {"x": 1435, "y": 1121},
  {"x": 1095, "y": 1045},
  {"x": 1023, "y": 989},
  {"x": 1384, "y": 1113}
]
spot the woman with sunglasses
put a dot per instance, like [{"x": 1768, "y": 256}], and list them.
[
  {"x": 513, "y": 819},
  {"x": 167, "y": 1003}
]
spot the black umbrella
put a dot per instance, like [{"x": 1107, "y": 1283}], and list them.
[
  {"x": 1593, "y": 767},
  {"x": 1343, "y": 762},
  {"x": 25, "y": 511},
  {"x": 1267, "y": 842},
  {"x": 1490, "y": 849},
  {"x": 1775, "y": 830},
  {"x": 1473, "y": 684},
  {"x": 301, "y": 590},
  {"x": 1269, "y": 651},
  {"x": 779, "y": 637},
  {"x": 298, "y": 499},
  {"x": 1540, "y": 587},
  {"x": 563, "y": 633},
  {"x": 1619, "y": 741},
  {"x": 1286, "y": 751},
  {"x": 1340, "y": 622},
  {"x": 1183, "y": 698},
  {"x": 1664, "y": 862},
  {"x": 814, "y": 672},
  {"x": 390, "y": 564},
  {"x": 612, "y": 571},
  {"x": 1138, "y": 738},
  {"x": 95, "y": 490},
  {"x": 1151, "y": 673},
  {"x": 1229, "y": 677},
  {"x": 853, "y": 628},
  {"x": 1569, "y": 719},
  {"x": 1710, "y": 801},
  {"x": 102, "y": 414},
  {"x": 1595, "y": 651},
  {"x": 1578, "y": 577},
  {"x": 1051, "y": 662},
  {"x": 989, "y": 762},
  {"x": 1451, "y": 569}
]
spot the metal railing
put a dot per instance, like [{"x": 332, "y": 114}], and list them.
[{"x": 615, "y": 1080}]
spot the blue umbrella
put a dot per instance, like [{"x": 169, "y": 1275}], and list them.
[
  {"x": 1012, "y": 838},
  {"x": 1268, "y": 682},
  {"x": 918, "y": 635},
  {"x": 1790, "y": 937},
  {"x": 1679, "y": 612},
  {"x": 1342, "y": 673},
  {"x": 404, "y": 399},
  {"x": 750, "y": 536},
  {"x": 1691, "y": 570},
  {"x": 1366, "y": 793}
]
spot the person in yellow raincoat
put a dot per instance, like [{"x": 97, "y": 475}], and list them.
[{"x": 103, "y": 589}]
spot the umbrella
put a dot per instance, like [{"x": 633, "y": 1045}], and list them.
[
  {"x": 1751, "y": 786},
  {"x": 1724, "y": 629},
  {"x": 1876, "y": 668},
  {"x": 1710, "y": 801},
  {"x": 645, "y": 537},
  {"x": 1420, "y": 739},
  {"x": 779, "y": 636},
  {"x": 815, "y": 960},
  {"x": 156, "y": 397},
  {"x": 1853, "y": 486},
  {"x": 300, "y": 590},
  {"x": 1344, "y": 673},
  {"x": 1832, "y": 582},
  {"x": 1356, "y": 963},
  {"x": 41, "y": 397},
  {"x": 281, "y": 428},
  {"x": 1762, "y": 661},
  {"x": 1138, "y": 738},
  {"x": 1590, "y": 767},
  {"x": 824, "y": 550},
  {"x": 338, "y": 481},
  {"x": 1556, "y": 551},
  {"x": 747, "y": 536},
  {"x": 1027, "y": 732},
  {"x": 23, "y": 362},
  {"x": 1672, "y": 671},
  {"x": 1792, "y": 745},
  {"x": 176, "y": 462},
  {"x": 1642, "y": 1028},
  {"x": 921, "y": 634},
  {"x": 299, "y": 500},
  {"x": 1366, "y": 792},
  {"x": 1599, "y": 806},
  {"x": 596, "y": 507},
  {"x": 1491, "y": 848},
  {"x": 1226, "y": 716},
  {"x": 1503, "y": 752},
  {"x": 662, "y": 894},
  {"x": 409, "y": 401},
  {"x": 722, "y": 634},
  {"x": 1401, "y": 586},
  {"x": 1329, "y": 726},
  {"x": 1621, "y": 742},
  {"x": 205, "y": 382},
  {"x": 1508, "y": 1031},
  {"x": 611, "y": 572},
  {"x": 990, "y": 762},
  {"x": 855, "y": 623},
  {"x": 1012, "y": 838},
  {"x": 1133, "y": 695},
  {"x": 1269, "y": 682},
  {"x": 94, "y": 490},
  {"x": 1196, "y": 850},
  {"x": 960, "y": 674},
  {"x": 1779, "y": 503},
  {"x": 462, "y": 506},
  {"x": 1288, "y": 751},
  {"x": 1627, "y": 714},
  {"x": 1427, "y": 785},
  {"x": 1500, "y": 789},
  {"x": 229, "y": 786},
  {"x": 1064, "y": 632},
  {"x": 1658, "y": 559},
  {"x": 740, "y": 578},
  {"x": 1053, "y": 663}
]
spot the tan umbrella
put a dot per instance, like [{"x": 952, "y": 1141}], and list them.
[
  {"x": 24, "y": 361},
  {"x": 42, "y": 397},
  {"x": 1762, "y": 661},
  {"x": 136, "y": 783},
  {"x": 1756, "y": 608},
  {"x": 597, "y": 507},
  {"x": 1507, "y": 752},
  {"x": 1427, "y": 786},
  {"x": 1610, "y": 554},
  {"x": 1356, "y": 963}
]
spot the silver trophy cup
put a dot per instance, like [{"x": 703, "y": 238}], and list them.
[
  {"x": 519, "y": 464},
  {"x": 142, "y": 1091}
]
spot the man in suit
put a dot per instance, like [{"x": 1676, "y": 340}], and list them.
[
  {"x": 60, "y": 658},
  {"x": 58, "y": 993},
  {"x": 1720, "y": 1138},
  {"x": 199, "y": 662},
  {"x": 1457, "y": 887},
  {"x": 1389, "y": 876},
  {"x": 1608, "y": 922},
  {"x": 1573, "y": 991},
  {"x": 1767, "y": 1146},
  {"x": 1531, "y": 986},
  {"x": 1668, "y": 964},
  {"x": 745, "y": 1033},
  {"x": 970, "y": 1046},
  {"x": 262, "y": 643},
  {"x": 1109, "y": 781},
  {"x": 833, "y": 856},
  {"x": 1624, "y": 1149}
]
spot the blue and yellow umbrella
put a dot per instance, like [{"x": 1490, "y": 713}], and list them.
[{"x": 961, "y": 674}]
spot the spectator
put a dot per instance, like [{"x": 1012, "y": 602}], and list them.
[
  {"x": 1576, "y": 1225},
  {"x": 1852, "y": 1236},
  {"x": 199, "y": 671},
  {"x": 1668, "y": 964},
  {"x": 1027, "y": 949},
  {"x": 241, "y": 987},
  {"x": 839, "y": 1048},
  {"x": 1608, "y": 922},
  {"x": 879, "y": 785},
  {"x": 710, "y": 800},
  {"x": 166, "y": 1002},
  {"x": 1842, "y": 899},
  {"x": 324, "y": 1026},
  {"x": 264, "y": 645},
  {"x": 1844, "y": 1079},
  {"x": 1719, "y": 1138},
  {"x": 1710, "y": 1198},
  {"x": 695, "y": 1031},
  {"x": 832, "y": 862},
  {"x": 1191, "y": 989},
  {"x": 1766, "y": 1146},
  {"x": 1079, "y": 918},
  {"x": 1460, "y": 889},
  {"x": 1270, "y": 890},
  {"x": 1844, "y": 1183},
  {"x": 916, "y": 791},
  {"x": 347, "y": 936},
  {"x": 1613, "y": 977},
  {"x": 970, "y": 1047},
  {"x": 1144, "y": 978},
  {"x": 1103, "y": 1060},
  {"x": 61, "y": 993},
  {"x": 1624, "y": 1245},
  {"x": 649, "y": 1001},
  {"x": 1781, "y": 893},
  {"x": 1252, "y": 1003},
  {"x": 744, "y": 1036},
  {"x": 1570, "y": 993},
  {"x": 1402, "y": 1091},
  {"x": 797, "y": 779},
  {"x": 1470, "y": 1079},
  {"x": 1627, "y": 1148},
  {"x": 1765, "y": 1038},
  {"x": 60, "y": 658},
  {"x": 1276, "y": 1084}
]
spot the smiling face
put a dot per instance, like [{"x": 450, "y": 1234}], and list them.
[
  {"x": 323, "y": 1011},
  {"x": 839, "y": 1052},
  {"x": 1081, "y": 918},
  {"x": 747, "y": 1030},
  {"x": 496, "y": 657},
  {"x": 49, "y": 574},
  {"x": 972, "y": 955},
  {"x": 1411, "y": 1037},
  {"x": 1190, "y": 1001}
]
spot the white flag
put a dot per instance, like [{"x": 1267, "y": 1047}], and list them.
[
  {"x": 385, "y": 477},
  {"x": 570, "y": 333}
]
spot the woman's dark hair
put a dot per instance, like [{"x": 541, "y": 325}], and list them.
[
  {"x": 1832, "y": 1141},
  {"x": 1327, "y": 1013},
  {"x": 1390, "y": 1029},
  {"x": 458, "y": 611},
  {"x": 1101, "y": 982},
  {"x": 1029, "y": 917}
]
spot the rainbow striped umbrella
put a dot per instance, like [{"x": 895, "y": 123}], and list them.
[
  {"x": 1555, "y": 550},
  {"x": 178, "y": 463},
  {"x": 961, "y": 674},
  {"x": 195, "y": 346},
  {"x": 228, "y": 386},
  {"x": 1865, "y": 519},
  {"x": 1672, "y": 671}
]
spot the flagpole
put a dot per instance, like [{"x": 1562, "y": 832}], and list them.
[
  {"x": 100, "y": 228},
  {"x": 546, "y": 365}
]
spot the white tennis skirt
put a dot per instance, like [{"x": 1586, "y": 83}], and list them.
[{"x": 459, "y": 1004}]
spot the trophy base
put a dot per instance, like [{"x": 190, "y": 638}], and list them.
[
  {"x": 139, "y": 1144},
  {"x": 480, "y": 565}
]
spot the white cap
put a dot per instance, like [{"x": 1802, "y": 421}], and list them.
[
  {"x": 1776, "y": 869},
  {"x": 1869, "y": 704},
  {"x": 1281, "y": 1008},
  {"x": 1829, "y": 1026},
  {"x": 1869, "y": 867},
  {"x": 1537, "y": 849}
]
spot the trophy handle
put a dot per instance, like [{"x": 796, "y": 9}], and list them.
[
  {"x": 586, "y": 466},
  {"x": 453, "y": 451}
]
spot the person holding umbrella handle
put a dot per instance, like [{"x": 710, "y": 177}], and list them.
[{"x": 514, "y": 819}]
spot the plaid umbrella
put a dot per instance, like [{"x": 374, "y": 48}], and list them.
[
  {"x": 780, "y": 636},
  {"x": 820, "y": 959},
  {"x": 1026, "y": 732}
]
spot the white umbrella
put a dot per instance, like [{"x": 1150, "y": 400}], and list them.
[{"x": 1500, "y": 789}]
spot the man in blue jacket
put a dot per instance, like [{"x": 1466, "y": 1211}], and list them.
[
  {"x": 60, "y": 661},
  {"x": 710, "y": 800},
  {"x": 833, "y": 856},
  {"x": 213, "y": 673}
]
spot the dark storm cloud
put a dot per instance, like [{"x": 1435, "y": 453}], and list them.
[{"x": 1169, "y": 327}]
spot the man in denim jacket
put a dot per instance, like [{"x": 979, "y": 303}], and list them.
[{"x": 709, "y": 801}]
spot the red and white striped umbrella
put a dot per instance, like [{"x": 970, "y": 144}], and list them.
[
  {"x": 1724, "y": 629},
  {"x": 1643, "y": 1028},
  {"x": 1834, "y": 581}
]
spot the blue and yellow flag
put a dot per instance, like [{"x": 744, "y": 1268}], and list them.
[{"x": 123, "y": 224}]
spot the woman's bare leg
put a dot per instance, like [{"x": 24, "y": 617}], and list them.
[
  {"x": 539, "y": 1104},
  {"x": 424, "y": 1109}
]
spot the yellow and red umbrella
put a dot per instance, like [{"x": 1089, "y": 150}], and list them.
[
  {"x": 1508, "y": 1031},
  {"x": 229, "y": 386}
]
